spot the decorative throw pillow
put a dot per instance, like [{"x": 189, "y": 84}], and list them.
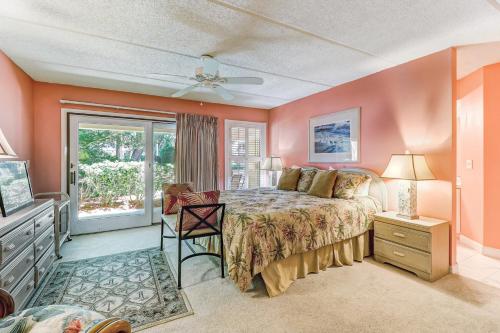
[
  {"x": 306, "y": 179},
  {"x": 364, "y": 188},
  {"x": 197, "y": 198},
  {"x": 322, "y": 184},
  {"x": 347, "y": 184},
  {"x": 170, "y": 194},
  {"x": 288, "y": 180}
]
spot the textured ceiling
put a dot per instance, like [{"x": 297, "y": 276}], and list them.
[{"x": 299, "y": 47}]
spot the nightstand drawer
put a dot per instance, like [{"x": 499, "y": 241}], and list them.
[
  {"x": 408, "y": 237},
  {"x": 404, "y": 255}
]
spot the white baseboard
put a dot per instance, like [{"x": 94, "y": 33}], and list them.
[
  {"x": 491, "y": 252},
  {"x": 487, "y": 251},
  {"x": 471, "y": 243}
]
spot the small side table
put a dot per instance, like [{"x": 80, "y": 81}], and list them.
[{"x": 420, "y": 246}]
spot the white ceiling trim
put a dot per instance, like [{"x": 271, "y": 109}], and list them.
[{"x": 295, "y": 28}]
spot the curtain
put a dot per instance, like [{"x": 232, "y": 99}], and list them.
[{"x": 196, "y": 151}]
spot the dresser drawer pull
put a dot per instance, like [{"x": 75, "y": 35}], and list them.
[
  {"x": 30, "y": 259},
  {"x": 399, "y": 254},
  {"x": 10, "y": 247},
  {"x": 41, "y": 270},
  {"x": 28, "y": 233},
  {"x": 30, "y": 285},
  {"x": 398, "y": 234},
  {"x": 9, "y": 280},
  {"x": 51, "y": 236},
  {"x": 39, "y": 248},
  {"x": 38, "y": 225}
]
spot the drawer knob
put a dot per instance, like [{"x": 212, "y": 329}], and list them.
[
  {"x": 28, "y": 233},
  {"x": 30, "y": 285},
  {"x": 9, "y": 280},
  {"x": 38, "y": 225},
  {"x": 41, "y": 270},
  {"x": 398, "y": 234},
  {"x": 10, "y": 247},
  {"x": 399, "y": 254},
  {"x": 39, "y": 248},
  {"x": 30, "y": 259}
]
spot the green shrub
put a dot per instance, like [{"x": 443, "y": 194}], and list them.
[{"x": 110, "y": 184}]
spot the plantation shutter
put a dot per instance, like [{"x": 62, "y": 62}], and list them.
[{"x": 247, "y": 150}]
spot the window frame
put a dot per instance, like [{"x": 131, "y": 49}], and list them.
[{"x": 228, "y": 124}]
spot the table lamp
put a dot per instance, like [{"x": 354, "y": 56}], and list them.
[
  {"x": 409, "y": 168},
  {"x": 272, "y": 164},
  {"x": 5, "y": 149}
]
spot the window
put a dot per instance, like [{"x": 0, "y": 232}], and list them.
[{"x": 245, "y": 150}]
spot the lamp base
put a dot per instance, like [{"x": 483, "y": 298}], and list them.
[{"x": 407, "y": 200}]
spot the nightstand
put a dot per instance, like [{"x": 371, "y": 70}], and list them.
[{"x": 420, "y": 246}]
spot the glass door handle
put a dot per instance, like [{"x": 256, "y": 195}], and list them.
[{"x": 72, "y": 177}]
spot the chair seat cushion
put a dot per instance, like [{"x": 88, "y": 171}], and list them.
[{"x": 51, "y": 319}]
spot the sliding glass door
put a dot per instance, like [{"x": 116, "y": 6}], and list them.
[{"x": 116, "y": 169}]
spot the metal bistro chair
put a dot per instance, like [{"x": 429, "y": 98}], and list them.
[{"x": 205, "y": 226}]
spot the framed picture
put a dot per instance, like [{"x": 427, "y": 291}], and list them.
[
  {"x": 334, "y": 138},
  {"x": 15, "y": 187}
]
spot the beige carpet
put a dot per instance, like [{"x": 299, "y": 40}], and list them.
[{"x": 366, "y": 297}]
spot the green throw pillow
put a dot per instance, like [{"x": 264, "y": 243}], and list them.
[
  {"x": 289, "y": 179},
  {"x": 322, "y": 184}
]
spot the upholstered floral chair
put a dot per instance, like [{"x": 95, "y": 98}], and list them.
[{"x": 55, "y": 319}]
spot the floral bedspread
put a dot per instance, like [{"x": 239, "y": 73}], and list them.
[{"x": 265, "y": 225}]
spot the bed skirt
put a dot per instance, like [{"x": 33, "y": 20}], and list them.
[{"x": 279, "y": 275}]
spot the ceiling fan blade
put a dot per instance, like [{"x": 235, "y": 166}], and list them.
[
  {"x": 184, "y": 91},
  {"x": 223, "y": 92},
  {"x": 162, "y": 75},
  {"x": 242, "y": 80}
]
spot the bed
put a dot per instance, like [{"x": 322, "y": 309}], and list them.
[{"x": 284, "y": 235}]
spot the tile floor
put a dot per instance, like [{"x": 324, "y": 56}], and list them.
[{"x": 476, "y": 266}]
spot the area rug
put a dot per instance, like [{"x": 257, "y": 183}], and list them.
[{"x": 137, "y": 286}]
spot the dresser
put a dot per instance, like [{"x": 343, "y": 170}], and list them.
[
  {"x": 420, "y": 246},
  {"x": 26, "y": 249}
]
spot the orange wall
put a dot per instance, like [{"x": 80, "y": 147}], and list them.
[
  {"x": 16, "y": 110},
  {"x": 47, "y": 129},
  {"x": 470, "y": 147},
  {"x": 411, "y": 106},
  {"x": 491, "y": 155}
]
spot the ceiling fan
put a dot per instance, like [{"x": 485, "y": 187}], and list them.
[{"x": 207, "y": 75}]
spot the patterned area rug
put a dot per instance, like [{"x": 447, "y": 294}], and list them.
[{"x": 138, "y": 286}]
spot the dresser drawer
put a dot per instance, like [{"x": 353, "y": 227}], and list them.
[
  {"x": 43, "y": 242},
  {"x": 11, "y": 274},
  {"x": 409, "y": 237},
  {"x": 43, "y": 221},
  {"x": 43, "y": 266},
  {"x": 15, "y": 241},
  {"x": 24, "y": 290},
  {"x": 404, "y": 255}
]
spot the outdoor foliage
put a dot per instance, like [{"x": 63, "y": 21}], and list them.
[{"x": 111, "y": 169}]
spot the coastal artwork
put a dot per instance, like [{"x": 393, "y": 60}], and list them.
[{"x": 333, "y": 138}]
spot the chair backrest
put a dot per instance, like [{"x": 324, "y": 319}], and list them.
[
  {"x": 206, "y": 216},
  {"x": 237, "y": 182}
]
